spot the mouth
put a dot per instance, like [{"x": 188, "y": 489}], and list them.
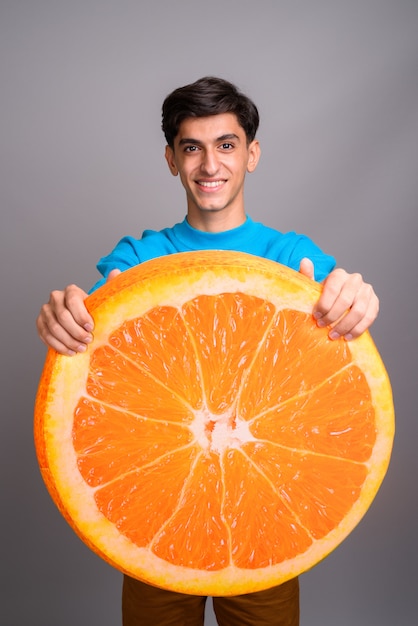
[{"x": 211, "y": 185}]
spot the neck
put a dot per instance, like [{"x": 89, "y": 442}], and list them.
[{"x": 215, "y": 221}]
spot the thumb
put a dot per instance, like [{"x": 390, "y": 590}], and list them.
[
  {"x": 307, "y": 268},
  {"x": 112, "y": 274}
]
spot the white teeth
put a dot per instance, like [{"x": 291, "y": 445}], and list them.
[{"x": 215, "y": 183}]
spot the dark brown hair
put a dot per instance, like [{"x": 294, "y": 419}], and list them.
[{"x": 208, "y": 96}]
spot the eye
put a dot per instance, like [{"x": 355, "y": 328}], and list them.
[
  {"x": 227, "y": 146},
  {"x": 191, "y": 149}
]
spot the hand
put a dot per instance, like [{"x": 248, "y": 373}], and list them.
[
  {"x": 347, "y": 304},
  {"x": 64, "y": 323}
]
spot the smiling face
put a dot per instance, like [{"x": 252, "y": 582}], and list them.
[{"x": 212, "y": 156}]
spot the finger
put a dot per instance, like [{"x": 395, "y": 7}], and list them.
[
  {"x": 360, "y": 317},
  {"x": 64, "y": 322},
  {"x": 54, "y": 336},
  {"x": 112, "y": 274},
  {"x": 307, "y": 268},
  {"x": 338, "y": 295},
  {"x": 74, "y": 308}
]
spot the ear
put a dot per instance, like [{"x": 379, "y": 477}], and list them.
[
  {"x": 169, "y": 155},
  {"x": 254, "y": 152}
]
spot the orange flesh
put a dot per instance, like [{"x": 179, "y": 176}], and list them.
[{"x": 188, "y": 454}]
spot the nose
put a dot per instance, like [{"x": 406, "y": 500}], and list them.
[{"x": 210, "y": 163}]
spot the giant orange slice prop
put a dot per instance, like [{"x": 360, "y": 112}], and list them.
[{"x": 213, "y": 440}]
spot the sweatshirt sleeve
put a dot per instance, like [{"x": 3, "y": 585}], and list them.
[
  {"x": 122, "y": 257},
  {"x": 306, "y": 248}
]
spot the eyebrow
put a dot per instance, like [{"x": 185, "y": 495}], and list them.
[{"x": 226, "y": 137}]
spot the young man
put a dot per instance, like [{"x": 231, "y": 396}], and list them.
[{"x": 210, "y": 129}]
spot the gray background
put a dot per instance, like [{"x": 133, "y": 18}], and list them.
[{"x": 81, "y": 152}]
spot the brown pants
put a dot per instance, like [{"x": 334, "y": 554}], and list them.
[{"x": 143, "y": 605}]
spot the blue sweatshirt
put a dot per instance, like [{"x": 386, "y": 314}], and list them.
[{"x": 251, "y": 237}]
